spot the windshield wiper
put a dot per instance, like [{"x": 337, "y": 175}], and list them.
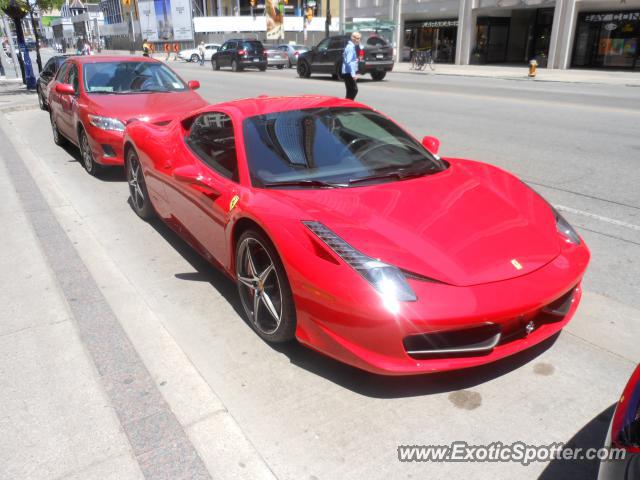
[
  {"x": 303, "y": 183},
  {"x": 399, "y": 174}
]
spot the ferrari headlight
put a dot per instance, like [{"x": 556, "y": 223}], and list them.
[
  {"x": 106, "y": 123},
  {"x": 385, "y": 278},
  {"x": 565, "y": 229}
]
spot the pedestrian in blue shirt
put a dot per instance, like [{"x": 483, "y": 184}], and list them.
[{"x": 350, "y": 66}]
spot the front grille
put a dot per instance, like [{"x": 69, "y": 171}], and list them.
[{"x": 481, "y": 339}]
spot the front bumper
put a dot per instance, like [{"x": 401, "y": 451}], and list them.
[
  {"x": 342, "y": 316},
  {"x": 107, "y": 146}
]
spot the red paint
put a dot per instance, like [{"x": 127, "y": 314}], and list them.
[{"x": 461, "y": 227}]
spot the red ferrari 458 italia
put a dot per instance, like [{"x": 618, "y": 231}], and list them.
[
  {"x": 346, "y": 233},
  {"x": 92, "y": 98}
]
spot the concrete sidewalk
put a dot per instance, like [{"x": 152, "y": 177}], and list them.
[
  {"x": 601, "y": 77},
  {"x": 15, "y": 96}
]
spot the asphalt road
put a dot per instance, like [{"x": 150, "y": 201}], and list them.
[{"x": 312, "y": 418}]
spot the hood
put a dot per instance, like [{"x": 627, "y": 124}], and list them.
[
  {"x": 468, "y": 225},
  {"x": 153, "y": 106}
]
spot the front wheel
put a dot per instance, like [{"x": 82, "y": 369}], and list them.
[
  {"x": 377, "y": 76},
  {"x": 41, "y": 102},
  {"x": 264, "y": 288},
  {"x": 138, "y": 193},
  {"x": 304, "y": 71},
  {"x": 88, "y": 162},
  {"x": 194, "y": 58}
]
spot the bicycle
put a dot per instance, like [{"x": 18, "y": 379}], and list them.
[{"x": 422, "y": 59}]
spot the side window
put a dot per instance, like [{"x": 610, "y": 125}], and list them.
[
  {"x": 50, "y": 68},
  {"x": 212, "y": 139},
  {"x": 231, "y": 46},
  {"x": 62, "y": 73},
  {"x": 336, "y": 43},
  {"x": 73, "y": 78},
  {"x": 324, "y": 44}
]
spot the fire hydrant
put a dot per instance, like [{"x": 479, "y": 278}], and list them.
[{"x": 532, "y": 68}]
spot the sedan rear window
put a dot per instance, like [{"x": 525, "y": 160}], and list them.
[{"x": 336, "y": 146}]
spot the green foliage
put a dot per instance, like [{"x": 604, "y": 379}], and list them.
[{"x": 29, "y": 5}]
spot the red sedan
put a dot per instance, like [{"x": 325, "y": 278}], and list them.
[
  {"x": 93, "y": 97},
  {"x": 345, "y": 232}
]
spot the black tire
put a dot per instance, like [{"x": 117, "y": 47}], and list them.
[
  {"x": 194, "y": 58},
  {"x": 214, "y": 64},
  {"x": 377, "y": 76},
  {"x": 138, "y": 193},
  {"x": 290, "y": 64},
  {"x": 303, "y": 69},
  {"x": 86, "y": 155},
  {"x": 262, "y": 69},
  {"x": 280, "y": 67},
  {"x": 235, "y": 67},
  {"x": 41, "y": 102},
  {"x": 264, "y": 252},
  {"x": 58, "y": 139}
]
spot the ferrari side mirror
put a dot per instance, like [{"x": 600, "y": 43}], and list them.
[
  {"x": 193, "y": 84},
  {"x": 432, "y": 144}
]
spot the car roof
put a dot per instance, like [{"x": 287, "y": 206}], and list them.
[
  {"x": 264, "y": 104},
  {"x": 83, "y": 59}
]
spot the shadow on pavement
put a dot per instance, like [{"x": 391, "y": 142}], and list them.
[
  {"x": 364, "y": 383},
  {"x": 592, "y": 435},
  {"x": 107, "y": 174}
]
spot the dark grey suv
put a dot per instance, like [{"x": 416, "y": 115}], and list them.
[
  {"x": 240, "y": 54},
  {"x": 376, "y": 57}
]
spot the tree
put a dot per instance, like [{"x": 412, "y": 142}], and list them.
[{"x": 17, "y": 9}]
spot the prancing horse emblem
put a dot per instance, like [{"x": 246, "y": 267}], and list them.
[
  {"x": 516, "y": 264},
  {"x": 530, "y": 327}
]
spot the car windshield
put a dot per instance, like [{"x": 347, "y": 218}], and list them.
[
  {"x": 130, "y": 77},
  {"x": 331, "y": 147}
]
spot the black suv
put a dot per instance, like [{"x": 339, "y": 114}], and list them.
[
  {"x": 326, "y": 57},
  {"x": 48, "y": 72},
  {"x": 240, "y": 54}
]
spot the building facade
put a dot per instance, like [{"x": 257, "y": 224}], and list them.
[{"x": 556, "y": 33}]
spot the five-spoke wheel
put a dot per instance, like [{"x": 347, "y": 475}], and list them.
[{"x": 137, "y": 187}]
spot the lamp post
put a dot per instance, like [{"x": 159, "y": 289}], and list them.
[{"x": 327, "y": 22}]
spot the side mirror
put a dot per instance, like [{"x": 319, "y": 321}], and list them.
[
  {"x": 187, "y": 174},
  {"x": 432, "y": 144},
  {"x": 193, "y": 84},
  {"x": 65, "y": 89}
]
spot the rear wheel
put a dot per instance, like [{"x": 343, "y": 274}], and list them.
[
  {"x": 214, "y": 64},
  {"x": 377, "y": 76},
  {"x": 58, "y": 139},
  {"x": 41, "y": 103},
  {"x": 235, "y": 67},
  {"x": 138, "y": 193},
  {"x": 262, "y": 69},
  {"x": 264, "y": 288},
  {"x": 304, "y": 71},
  {"x": 88, "y": 162},
  {"x": 280, "y": 67}
]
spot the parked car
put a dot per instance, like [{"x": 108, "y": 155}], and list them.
[
  {"x": 376, "y": 57},
  {"x": 342, "y": 230},
  {"x": 93, "y": 98},
  {"x": 277, "y": 58},
  {"x": 624, "y": 434},
  {"x": 44, "y": 80},
  {"x": 193, "y": 54},
  {"x": 293, "y": 52},
  {"x": 240, "y": 54}
]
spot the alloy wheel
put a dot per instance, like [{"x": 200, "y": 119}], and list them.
[
  {"x": 259, "y": 286},
  {"x": 85, "y": 152},
  {"x": 136, "y": 183}
]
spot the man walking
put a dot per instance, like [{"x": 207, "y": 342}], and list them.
[
  {"x": 201, "y": 50},
  {"x": 350, "y": 66}
]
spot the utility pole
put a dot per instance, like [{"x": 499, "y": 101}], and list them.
[
  {"x": 399, "y": 33},
  {"x": 327, "y": 22}
]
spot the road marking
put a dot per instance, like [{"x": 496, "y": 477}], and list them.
[{"x": 612, "y": 221}]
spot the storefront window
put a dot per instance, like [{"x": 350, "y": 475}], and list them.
[
  {"x": 608, "y": 40},
  {"x": 439, "y": 36}
]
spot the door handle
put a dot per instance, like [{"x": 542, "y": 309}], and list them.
[{"x": 206, "y": 190}]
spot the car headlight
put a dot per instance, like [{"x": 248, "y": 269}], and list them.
[
  {"x": 565, "y": 229},
  {"x": 388, "y": 280},
  {"x": 106, "y": 123}
]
